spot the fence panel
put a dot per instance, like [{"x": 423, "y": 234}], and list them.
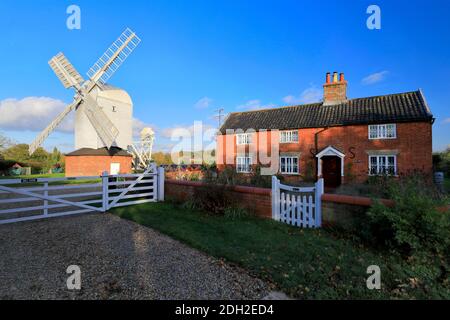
[
  {"x": 297, "y": 206},
  {"x": 32, "y": 199}
]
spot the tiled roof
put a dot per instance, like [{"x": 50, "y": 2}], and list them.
[
  {"x": 100, "y": 152},
  {"x": 402, "y": 107}
]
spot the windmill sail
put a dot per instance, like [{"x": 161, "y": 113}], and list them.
[
  {"x": 65, "y": 71},
  {"x": 100, "y": 121},
  {"x": 113, "y": 58},
  {"x": 52, "y": 126}
]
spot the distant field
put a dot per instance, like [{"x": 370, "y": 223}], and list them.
[
  {"x": 43, "y": 176},
  {"x": 35, "y": 176}
]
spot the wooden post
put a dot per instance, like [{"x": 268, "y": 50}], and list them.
[
  {"x": 105, "y": 191},
  {"x": 46, "y": 201},
  {"x": 275, "y": 198},
  {"x": 161, "y": 177},
  {"x": 319, "y": 192}
]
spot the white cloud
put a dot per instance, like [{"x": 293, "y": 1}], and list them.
[
  {"x": 375, "y": 77},
  {"x": 203, "y": 103},
  {"x": 180, "y": 130},
  {"x": 33, "y": 114},
  {"x": 309, "y": 95},
  {"x": 446, "y": 121},
  {"x": 255, "y": 105}
]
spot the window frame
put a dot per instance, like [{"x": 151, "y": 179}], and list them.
[
  {"x": 386, "y": 164},
  {"x": 245, "y": 164},
  {"x": 247, "y": 139},
  {"x": 291, "y": 132},
  {"x": 290, "y": 172},
  {"x": 383, "y": 136}
]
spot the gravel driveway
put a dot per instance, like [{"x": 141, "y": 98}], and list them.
[{"x": 118, "y": 259}]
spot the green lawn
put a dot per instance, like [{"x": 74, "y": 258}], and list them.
[{"x": 311, "y": 264}]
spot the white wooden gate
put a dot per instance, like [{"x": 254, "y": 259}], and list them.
[
  {"x": 301, "y": 207},
  {"x": 32, "y": 199}
]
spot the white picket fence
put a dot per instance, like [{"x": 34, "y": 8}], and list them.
[
  {"x": 20, "y": 200},
  {"x": 301, "y": 207}
]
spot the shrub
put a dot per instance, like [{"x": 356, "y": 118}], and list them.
[
  {"x": 229, "y": 176},
  {"x": 414, "y": 226},
  {"x": 209, "y": 172},
  {"x": 258, "y": 180},
  {"x": 211, "y": 198}
]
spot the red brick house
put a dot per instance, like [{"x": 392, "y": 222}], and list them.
[{"x": 339, "y": 139}]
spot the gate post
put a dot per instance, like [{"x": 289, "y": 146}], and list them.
[
  {"x": 161, "y": 177},
  {"x": 318, "y": 194},
  {"x": 275, "y": 199},
  {"x": 105, "y": 191}
]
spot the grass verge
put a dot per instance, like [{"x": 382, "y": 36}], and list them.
[{"x": 311, "y": 264}]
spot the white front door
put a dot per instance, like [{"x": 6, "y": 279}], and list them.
[{"x": 115, "y": 168}]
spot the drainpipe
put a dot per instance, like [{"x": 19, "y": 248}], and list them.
[{"x": 316, "y": 145}]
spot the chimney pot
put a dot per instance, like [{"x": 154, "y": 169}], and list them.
[
  {"x": 335, "y": 77},
  {"x": 341, "y": 77},
  {"x": 328, "y": 78}
]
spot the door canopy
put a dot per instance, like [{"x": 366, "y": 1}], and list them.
[{"x": 329, "y": 151}]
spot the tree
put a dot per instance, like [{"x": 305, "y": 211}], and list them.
[{"x": 5, "y": 142}]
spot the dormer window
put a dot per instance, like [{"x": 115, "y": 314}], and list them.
[
  {"x": 382, "y": 131},
  {"x": 289, "y": 136},
  {"x": 243, "y": 139}
]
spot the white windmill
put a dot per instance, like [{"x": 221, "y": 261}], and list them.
[
  {"x": 103, "y": 118},
  {"x": 142, "y": 150}
]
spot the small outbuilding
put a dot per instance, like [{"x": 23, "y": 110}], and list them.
[{"x": 93, "y": 162}]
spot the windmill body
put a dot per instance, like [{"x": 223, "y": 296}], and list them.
[{"x": 118, "y": 107}]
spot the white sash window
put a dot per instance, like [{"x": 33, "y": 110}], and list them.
[
  {"x": 383, "y": 131},
  {"x": 382, "y": 165},
  {"x": 243, "y": 164},
  {"x": 243, "y": 138},
  {"x": 289, "y": 165},
  {"x": 289, "y": 136}
]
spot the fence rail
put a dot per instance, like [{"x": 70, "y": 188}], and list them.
[{"x": 21, "y": 200}]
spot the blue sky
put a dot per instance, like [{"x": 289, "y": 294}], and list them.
[{"x": 197, "y": 56}]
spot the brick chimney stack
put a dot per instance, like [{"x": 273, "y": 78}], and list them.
[{"x": 334, "y": 92}]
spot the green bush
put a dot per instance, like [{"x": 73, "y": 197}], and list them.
[
  {"x": 229, "y": 176},
  {"x": 258, "y": 180},
  {"x": 211, "y": 198},
  {"x": 414, "y": 226}
]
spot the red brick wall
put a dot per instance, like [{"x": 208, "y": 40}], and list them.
[
  {"x": 256, "y": 200},
  {"x": 414, "y": 145},
  {"x": 337, "y": 210},
  {"x": 95, "y": 165}
]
